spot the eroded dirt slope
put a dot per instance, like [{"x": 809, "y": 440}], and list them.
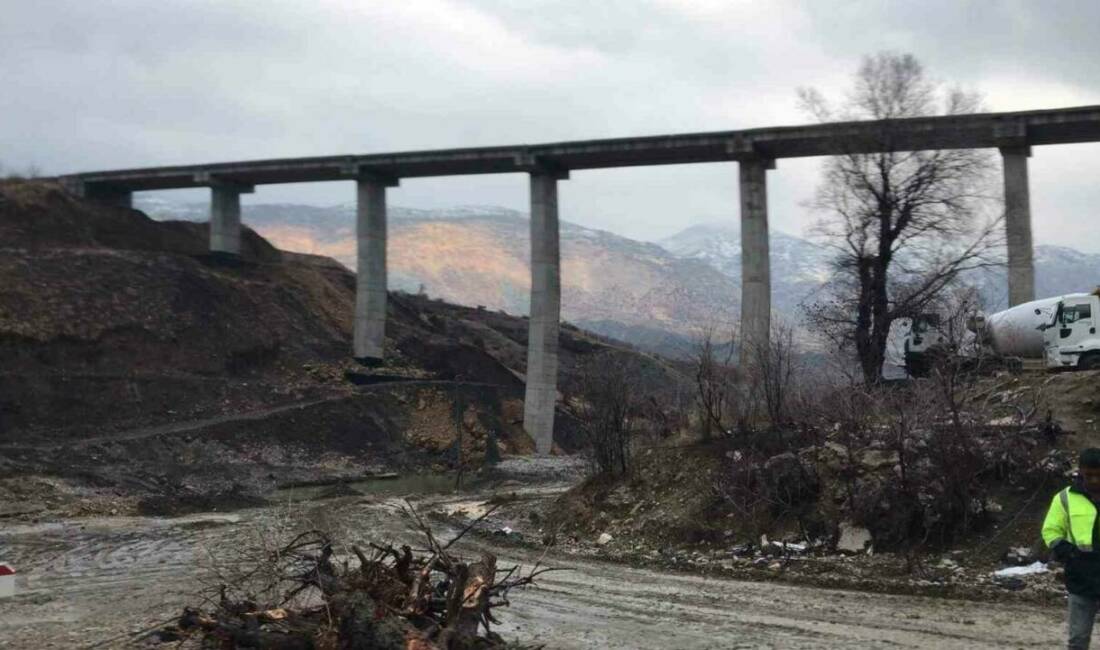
[{"x": 125, "y": 345}]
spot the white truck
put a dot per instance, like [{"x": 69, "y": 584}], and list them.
[
  {"x": 1060, "y": 331},
  {"x": 1069, "y": 336}
]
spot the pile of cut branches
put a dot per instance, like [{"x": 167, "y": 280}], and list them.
[{"x": 307, "y": 594}]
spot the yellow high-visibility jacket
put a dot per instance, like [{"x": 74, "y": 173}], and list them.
[{"x": 1072, "y": 517}]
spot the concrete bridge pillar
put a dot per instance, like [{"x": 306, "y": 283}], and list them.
[
  {"x": 225, "y": 220},
  {"x": 756, "y": 285},
  {"x": 225, "y": 214},
  {"x": 1021, "y": 262},
  {"x": 542, "y": 334},
  {"x": 370, "y": 276}
]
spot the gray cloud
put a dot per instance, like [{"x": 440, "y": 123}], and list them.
[{"x": 131, "y": 83}]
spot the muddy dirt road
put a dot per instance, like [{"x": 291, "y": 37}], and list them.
[{"x": 86, "y": 582}]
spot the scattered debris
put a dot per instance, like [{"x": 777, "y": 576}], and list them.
[
  {"x": 743, "y": 550},
  {"x": 773, "y": 548}
]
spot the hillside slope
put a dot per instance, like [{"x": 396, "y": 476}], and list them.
[{"x": 116, "y": 331}]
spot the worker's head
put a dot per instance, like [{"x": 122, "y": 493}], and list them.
[{"x": 1089, "y": 465}]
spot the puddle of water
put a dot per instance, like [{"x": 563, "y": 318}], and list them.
[{"x": 406, "y": 485}]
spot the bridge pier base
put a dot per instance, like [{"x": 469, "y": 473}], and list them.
[
  {"x": 756, "y": 286},
  {"x": 369, "y": 329},
  {"x": 225, "y": 217},
  {"x": 1021, "y": 262},
  {"x": 541, "y": 393}
]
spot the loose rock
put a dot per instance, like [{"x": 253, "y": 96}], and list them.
[{"x": 853, "y": 539}]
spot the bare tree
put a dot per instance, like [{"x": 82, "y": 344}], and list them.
[
  {"x": 606, "y": 399},
  {"x": 715, "y": 381},
  {"x": 772, "y": 373},
  {"x": 904, "y": 224}
]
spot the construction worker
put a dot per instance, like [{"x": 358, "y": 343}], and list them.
[{"x": 1070, "y": 530}]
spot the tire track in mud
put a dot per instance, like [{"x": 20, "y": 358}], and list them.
[{"x": 96, "y": 579}]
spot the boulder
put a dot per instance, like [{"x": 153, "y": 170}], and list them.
[
  {"x": 853, "y": 539},
  {"x": 604, "y": 539}
]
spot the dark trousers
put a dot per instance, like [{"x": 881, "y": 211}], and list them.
[{"x": 1082, "y": 614}]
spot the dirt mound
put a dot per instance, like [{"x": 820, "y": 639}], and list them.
[
  {"x": 1072, "y": 398},
  {"x": 668, "y": 499},
  {"x": 41, "y": 215}
]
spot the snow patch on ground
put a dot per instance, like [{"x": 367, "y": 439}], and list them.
[{"x": 1016, "y": 571}]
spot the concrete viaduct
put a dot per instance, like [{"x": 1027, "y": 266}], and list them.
[{"x": 755, "y": 151}]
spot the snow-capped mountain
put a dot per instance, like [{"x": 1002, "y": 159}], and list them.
[{"x": 799, "y": 267}]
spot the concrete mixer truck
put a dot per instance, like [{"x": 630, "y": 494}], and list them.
[{"x": 1060, "y": 332}]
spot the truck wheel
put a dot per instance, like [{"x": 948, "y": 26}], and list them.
[{"x": 1090, "y": 361}]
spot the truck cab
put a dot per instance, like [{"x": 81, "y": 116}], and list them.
[
  {"x": 1070, "y": 339},
  {"x": 923, "y": 340}
]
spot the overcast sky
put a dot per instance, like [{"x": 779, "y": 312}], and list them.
[{"x": 98, "y": 84}]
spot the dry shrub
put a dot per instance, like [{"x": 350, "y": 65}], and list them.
[
  {"x": 616, "y": 398},
  {"x": 916, "y": 464},
  {"x": 716, "y": 384}
]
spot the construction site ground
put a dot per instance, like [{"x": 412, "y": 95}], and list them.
[{"x": 96, "y": 582}]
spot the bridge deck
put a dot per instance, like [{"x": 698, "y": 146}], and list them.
[{"x": 1056, "y": 126}]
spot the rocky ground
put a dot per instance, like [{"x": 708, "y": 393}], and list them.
[{"x": 996, "y": 568}]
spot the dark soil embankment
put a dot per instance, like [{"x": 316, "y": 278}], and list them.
[
  {"x": 109, "y": 320},
  {"x": 112, "y": 324}
]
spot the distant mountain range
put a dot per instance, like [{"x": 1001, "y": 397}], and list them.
[
  {"x": 658, "y": 296},
  {"x": 799, "y": 267}
]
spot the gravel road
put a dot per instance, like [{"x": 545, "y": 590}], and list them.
[{"x": 84, "y": 582}]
